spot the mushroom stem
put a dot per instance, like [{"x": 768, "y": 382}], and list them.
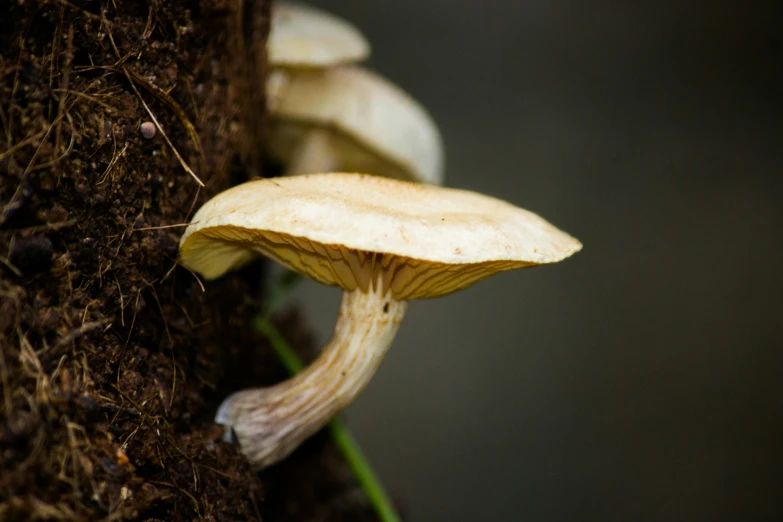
[
  {"x": 315, "y": 154},
  {"x": 271, "y": 422}
]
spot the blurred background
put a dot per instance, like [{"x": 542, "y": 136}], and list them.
[{"x": 641, "y": 379}]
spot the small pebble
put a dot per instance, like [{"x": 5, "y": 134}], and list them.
[
  {"x": 148, "y": 130},
  {"x": 33, "y": 255}
]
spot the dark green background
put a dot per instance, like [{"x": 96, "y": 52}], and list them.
[{"x": 639, "y": 380}]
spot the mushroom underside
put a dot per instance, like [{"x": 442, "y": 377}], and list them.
[{"x": 405, "y": 278}]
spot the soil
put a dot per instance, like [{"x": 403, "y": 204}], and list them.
[{"x": 113, "y": 359}]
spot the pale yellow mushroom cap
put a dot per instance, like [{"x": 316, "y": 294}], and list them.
[
  {"x": 303, "y": 36},
  {"x": 372, "y": 125},
  {"x": 349, "y": 229}
]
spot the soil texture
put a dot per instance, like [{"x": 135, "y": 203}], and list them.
[{"x": 113, "y": 359}]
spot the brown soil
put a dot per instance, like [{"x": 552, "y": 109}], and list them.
[{"x": 112, "y": 358}]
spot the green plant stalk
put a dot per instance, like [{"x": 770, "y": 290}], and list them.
[{"x": 350, "y": 449}]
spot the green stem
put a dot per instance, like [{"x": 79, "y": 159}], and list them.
[
  {"x": 364, "y": 473},
  {"x": 350, "y": 449}
]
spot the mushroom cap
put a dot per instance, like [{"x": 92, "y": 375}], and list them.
[
  {"x": 373, "y": 125},
  {"x": 303, "y": 36},
  {"x": 355, "y": 230}
]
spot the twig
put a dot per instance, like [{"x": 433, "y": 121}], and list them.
[
  {"x": 160, "y": 227},
  {"x": 197, "y": 278},
  {"x": 162, "y": 132},
  {"x": 73, "y": 334},
  {"x": 192, "y": 499},
  {"x": 168, "y": 100},
  {"x": 21, "y": 144},
  {"x": 173, "y": 266},
  {"x": 146, "y": 107},
  {"x": 171, "y": 345},
  {"x": 66, "y": 76},
  {"x": 9, "y": 405},
  {"x": 11, "y": 267},
  {"x": 49, "y": 226},
  {"x": 193, "y": 204},
  {"x": 113, "y": 162},
  {"x": 91, "y": 97},
  {"x": 80, "y": 10},
  {"x": 122, "y": 301}
]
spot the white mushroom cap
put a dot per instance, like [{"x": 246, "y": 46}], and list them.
[
  {"x": 373, "y": 126},
  {"x": 349, "y": 229},
  {"x": 303, "y": 36}
]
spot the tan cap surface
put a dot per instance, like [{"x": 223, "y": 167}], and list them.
[
  {"x": 373, "y": 125},
  {"x": 348, "y": 229},
  {"x": 303, "y": 36}
]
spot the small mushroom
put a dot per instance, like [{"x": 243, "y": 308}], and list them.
[
  {"x": 385, "y": 242},
  {"x": 350, "y": 118},
  {"x": 329, "y": 116},
  {"x": 305, "y": 37}
]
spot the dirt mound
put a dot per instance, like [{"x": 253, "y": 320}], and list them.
[{"x": 113, "y": 359}]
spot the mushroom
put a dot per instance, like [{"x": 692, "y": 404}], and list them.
[
  {"x": 327, "y": 115},
  {"x": 350, "y": 118},
  {"x": 385, "y": 242},
  {"x": 305, "y": 37}
]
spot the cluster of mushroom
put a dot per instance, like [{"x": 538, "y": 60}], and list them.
[
  {"x": 384, "y": 241},
  {"x": 327, "y": 113}
]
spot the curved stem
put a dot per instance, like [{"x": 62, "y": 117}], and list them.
[
  {"x": 315, "y": 154},
  {"x": 271, "y": 422},
  {"x": 365, "y": 476}
]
